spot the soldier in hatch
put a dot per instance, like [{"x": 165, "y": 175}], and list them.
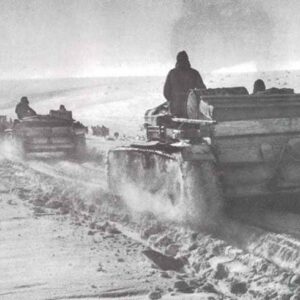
[
  {"x": 23, "y": 109},
  {"x": 259, "y": 86},
  {"x": 178, "y": 83}
]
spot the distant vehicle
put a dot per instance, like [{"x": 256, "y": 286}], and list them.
[
  {"x": 100, "y": 131},
  {"x": 55, "y": 132},
  {"x": 4, "y": 124}
]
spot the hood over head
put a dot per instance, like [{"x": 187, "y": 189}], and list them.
[
  {"x": 259, "y": 86},
  {"x": 182, "y": 60},
  {"x": 24, "y": 100}
]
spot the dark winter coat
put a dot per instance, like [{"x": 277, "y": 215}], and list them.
[
  {"x": 24, "y": 110},
  {"x": 178, "y": 83}
]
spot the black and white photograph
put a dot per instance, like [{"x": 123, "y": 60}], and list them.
[{"x": 149, "y": 149}]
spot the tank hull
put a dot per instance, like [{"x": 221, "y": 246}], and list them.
[
  {"x": 251, "y": 152},
  {"x": 43, "y": 134}
]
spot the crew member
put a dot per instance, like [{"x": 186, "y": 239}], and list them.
[
  {"x": 259, "y": 86},
  {"x": 62, "y": 108},
  {"x": 178, "y": 83},
  {"x": 23, "y": 109}
]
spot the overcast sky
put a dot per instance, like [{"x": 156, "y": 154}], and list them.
[{"x": 63, "y": 38}]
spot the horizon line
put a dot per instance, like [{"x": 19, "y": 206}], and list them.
[{"x": 214, "y": 72}]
